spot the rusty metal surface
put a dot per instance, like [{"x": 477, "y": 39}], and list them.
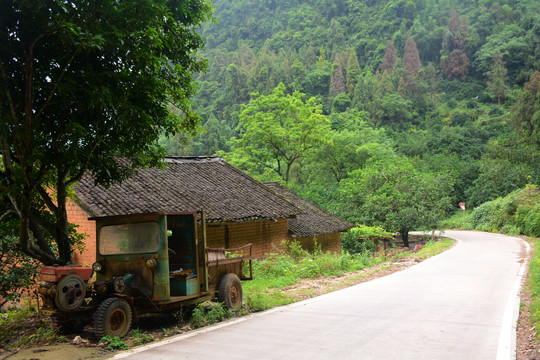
[{"x": 55, "y": 273}]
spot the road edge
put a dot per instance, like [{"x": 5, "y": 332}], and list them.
[{"x": 508, "y": 336}]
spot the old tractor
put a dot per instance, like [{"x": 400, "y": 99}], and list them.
[{"x": 144, "y": 264}]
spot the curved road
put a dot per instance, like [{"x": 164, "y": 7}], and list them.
[{"x": 461, "y": 304}]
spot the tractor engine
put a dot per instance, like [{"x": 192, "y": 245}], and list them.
[{"x": 63, "y": 288}]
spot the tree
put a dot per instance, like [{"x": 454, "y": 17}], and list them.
[
  {"x": 278, "y": 131},
  {"x": 454, "y": 59},
  {"x": 411, "y": 58},
  {"x": 526, "y": 114},
  {"x": 391, "y": 193},
  {"x": 337, "y": 81},
  {"x": 348, "y": 149},
  {"x": 81, "y": 83},
  {"x": 509, "y": 163},
  {"x": 353, "y": 68},
  {"x": 497, "y": 78},
  {"x": 389, "y": 58}
]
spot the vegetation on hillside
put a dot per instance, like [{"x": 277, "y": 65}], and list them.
[
  {"x": 439, "y": 96},
  {"x": 515, "y": 214}
]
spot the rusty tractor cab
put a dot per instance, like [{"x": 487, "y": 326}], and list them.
[{"x": 144, "y": 263}]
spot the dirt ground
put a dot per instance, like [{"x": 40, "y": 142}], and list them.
[
  {"x": 528, "y": 344},
  {"x": 528, "y": 347}
]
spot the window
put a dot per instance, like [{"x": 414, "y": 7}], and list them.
[{"x": 129, "y": 238}]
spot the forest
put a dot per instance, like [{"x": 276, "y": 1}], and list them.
[{"x": 386, "y": 113}]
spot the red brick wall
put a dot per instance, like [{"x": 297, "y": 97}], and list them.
[
  {"x": 77, "y": 216},
  {"x": 266, "y": 236},
  {"x": 328, "y": 242}
]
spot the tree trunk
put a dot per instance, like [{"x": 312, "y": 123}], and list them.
[
  {"x": 62, "y": 228},
  {"x": 405, "y": 237}
]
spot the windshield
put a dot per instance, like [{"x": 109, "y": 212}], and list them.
[{"x": 129, "y": 238}]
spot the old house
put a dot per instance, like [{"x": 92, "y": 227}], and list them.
[{"x": 239, "y": 209}]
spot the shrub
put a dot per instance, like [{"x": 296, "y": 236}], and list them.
[
  {"x": 113, "y": 343},
  {"x": 363, "y": 238},
  {"x": 528, "y": 220},
  {"x": 17, "y": 271},
  {"x": 517, "y": 213},
  {"x": 489, "y": 216},
  {"x": 209, "y": 313},
  {"x": 140, "y": 338}
]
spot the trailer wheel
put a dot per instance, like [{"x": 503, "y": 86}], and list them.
[
  {"x": 230, "y": 291},
  {"x": 112, "y": 317}
]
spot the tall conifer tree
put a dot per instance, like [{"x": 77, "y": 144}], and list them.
[
  {"x": 454, "y": 59},
  {"x": 389, "y": 58},
  {"x": 411, "y": 58}
]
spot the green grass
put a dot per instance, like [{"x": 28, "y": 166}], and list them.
[
  {"x": 21, "y": 326},
  {"x": 534, "y": 284},
  {"x": 456, "y": 221},
  {"x": 209, "y": 313},
  {"x": 273, "y": 275},
  {"x": 284, "y": 269},
  {"x": 433, "y": 248}
]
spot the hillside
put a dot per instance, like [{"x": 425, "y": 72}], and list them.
[{"x": 444, "y": 90}]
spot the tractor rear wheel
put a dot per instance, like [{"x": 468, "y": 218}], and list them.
[{"x": 113, "y": 317}]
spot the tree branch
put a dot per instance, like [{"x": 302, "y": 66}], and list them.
[
  {"x": 8, "y": 93},
  {"x": 57, "y": 83},
  {"x": 47, "y": 199}
]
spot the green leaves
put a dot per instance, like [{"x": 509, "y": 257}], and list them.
[
  {"x": 84, "y": 82},
  {"x": 391, "y": 193},
  {"x": 278, "y": 131}
]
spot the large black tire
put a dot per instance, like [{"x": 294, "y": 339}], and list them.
[
  {"x": 230, "y": 291},
  {"x": 113, "y": 317}
]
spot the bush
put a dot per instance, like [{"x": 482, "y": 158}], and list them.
[
  {"x": 362, "y": 239},
  {"x": 113, "y": 343},
  {"x": 209, "y": 313},
  {"x": 528, "y": 220},
  {"x": 489, "y": 216},
  {"x": 517, "y": 213},
  {"x": 534, "y": 283},
  {"x": 17, "y": 271}
]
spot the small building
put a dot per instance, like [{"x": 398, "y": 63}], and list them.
[{"x": 239, "y": 209}]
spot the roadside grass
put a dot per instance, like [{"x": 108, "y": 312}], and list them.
[
  {"x": 277, "y": 272},
  {"x": 456, "y": 221},
  {"x": 21, "y": 326},
  {"x": 534, "y": 284},
  {"x": 433, "y": 248}
]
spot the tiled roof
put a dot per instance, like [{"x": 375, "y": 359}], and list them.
[
  {"x": 315, "y": 220},
  {"x": 187, "y": 184}
]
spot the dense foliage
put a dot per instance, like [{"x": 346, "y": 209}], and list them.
[
  {"x": 514, "y": 214},
  {"x": 17, "y": 271},
  {"x": 442, "y": 95},
  {"x": 82, "y": 82}
]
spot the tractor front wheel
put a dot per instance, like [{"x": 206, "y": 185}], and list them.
[{"x": 113, "y": 317}]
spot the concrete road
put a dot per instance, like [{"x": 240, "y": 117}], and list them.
[{"x": 461, "y": 304}]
